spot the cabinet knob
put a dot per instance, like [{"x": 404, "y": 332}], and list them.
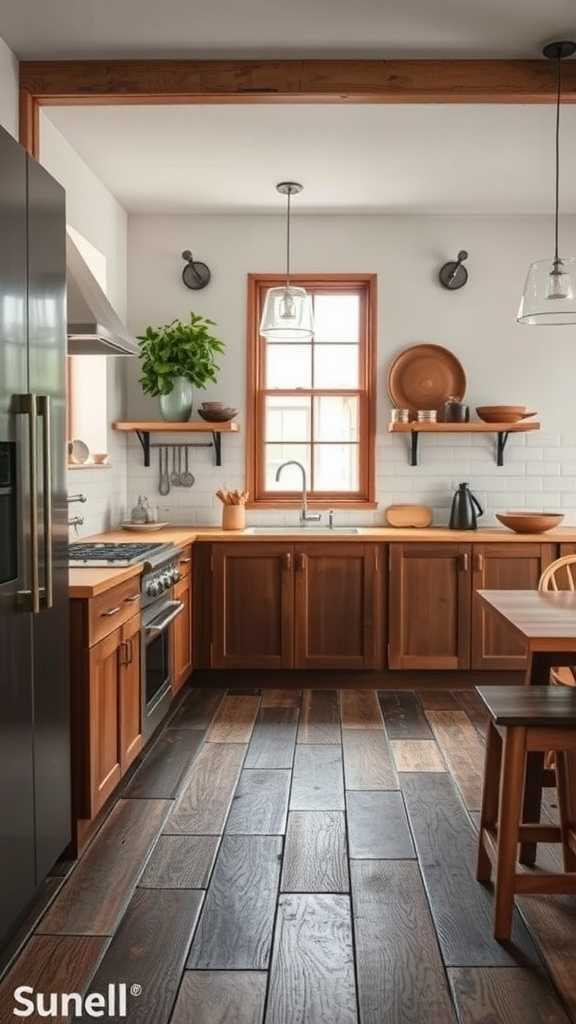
[
  {"x": 287, "y": 561},
  {"x": 464, "y": 562}
]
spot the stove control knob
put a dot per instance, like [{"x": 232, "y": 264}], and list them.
[
  {"x": 175, "y": 575},
  {"x": 165, "y": 581},
  {"x": 152, "y": 588}
]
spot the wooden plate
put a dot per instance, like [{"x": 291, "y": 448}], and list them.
[
  {"x": 424, "y": 376},
  {"x": 143, "y": 527}
]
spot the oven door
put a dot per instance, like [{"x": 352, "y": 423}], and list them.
[{"x": 157, "y": 661}]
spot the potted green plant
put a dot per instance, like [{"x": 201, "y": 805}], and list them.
[{"x": 177, "y": 358}]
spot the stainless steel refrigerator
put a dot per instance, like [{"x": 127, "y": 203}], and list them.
[{"x": 34, "y": 626}]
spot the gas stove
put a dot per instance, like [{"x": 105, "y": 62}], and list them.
[
  {"x": 103, "y": 554},
  {"x": 159, "y": 563}
]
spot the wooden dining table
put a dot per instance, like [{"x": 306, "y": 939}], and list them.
[{"x": 546, "y": 623}]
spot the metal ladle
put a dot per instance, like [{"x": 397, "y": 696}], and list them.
[
  {"x": 164, "y": 483},
  {"x": 187, "y": 479}
]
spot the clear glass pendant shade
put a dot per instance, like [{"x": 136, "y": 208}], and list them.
[
  {"x": 549, "y": 296},
  {"x": 287, "y": 314}
]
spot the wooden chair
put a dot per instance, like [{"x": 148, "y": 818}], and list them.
[
  {"x": 525, "y": 719},
  {"x": 552, "y": 578}
]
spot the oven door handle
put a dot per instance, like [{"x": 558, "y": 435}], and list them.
[{"x": 156, "y": 627}]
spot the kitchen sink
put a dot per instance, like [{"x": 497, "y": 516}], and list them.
[{"x": 304, "y": 531}]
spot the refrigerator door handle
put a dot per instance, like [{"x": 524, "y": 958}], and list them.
[
  {"x": 43, "y": 406},
  {"x": 27, "y": 406}
]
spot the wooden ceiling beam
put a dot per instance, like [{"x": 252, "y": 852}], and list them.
[{"x": 101, "y": 82}]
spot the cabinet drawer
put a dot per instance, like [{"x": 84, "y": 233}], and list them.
[
  {"x": 185, "y": 562},
  {"x": 112, "y": 608}
]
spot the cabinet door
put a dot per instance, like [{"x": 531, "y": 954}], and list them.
[
  {"x": 252, "y": 613},
  {"x": 429, "y": 606},
  {"x": 336, "y": 605},
  {"x": 104, "y": 706},
  {"x": 502, "y": 567},
  {"x": 130, "y": 694},
  {"x": 182, "y": 636}
]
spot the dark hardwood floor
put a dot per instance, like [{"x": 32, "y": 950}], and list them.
[{"x": 304, "y": 857}]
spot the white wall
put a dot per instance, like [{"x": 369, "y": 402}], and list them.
[
  {"x": 93, "y": 211},
  {"x": 8, "y": 90},
  {"x": 504, "y": 362}
]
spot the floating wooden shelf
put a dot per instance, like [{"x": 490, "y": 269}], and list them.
[
  {"x": 502, "y": 431},
  {"x": 143, "y": 429}
]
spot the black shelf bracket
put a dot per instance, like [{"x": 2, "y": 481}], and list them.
[
  {"x": 216, "y": 443},
  {"x": 502, "y": 437},
  {"x": 414, "y": 448},
  {"x": 502, "y": 441},
  {"x": 144, "y": 438}
]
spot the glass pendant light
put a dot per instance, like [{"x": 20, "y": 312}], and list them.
[
  {"x": 287, "y": 313},
  {"x": 550, "y": 291}
]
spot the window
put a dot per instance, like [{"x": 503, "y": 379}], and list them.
[
  {"x": 87, "y": 388},
  {"x": 87, "y": 402},
  {"x": 314, "y": 402}
]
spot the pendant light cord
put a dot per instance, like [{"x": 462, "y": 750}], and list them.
[
  {"x": 557, "y": 197},
  {"x": 288, "y": 197}
]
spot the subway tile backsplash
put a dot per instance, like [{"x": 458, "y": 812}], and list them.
[{"x": 539, "y": 473}]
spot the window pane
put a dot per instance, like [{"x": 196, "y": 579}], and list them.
[
  {"x": 336, "y": 418},
  {"x": 291, "y": 479},
  {"x": 288, "y": 366},
  {"x": 288, "y": 419},
  {"x": 336, "y": 467},
  {"x": 336, "y": 366},
  {"x": 336, "y": 318}
]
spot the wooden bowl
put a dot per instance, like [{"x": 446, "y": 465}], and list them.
[
  {"x": 530, "y": 522},
  {"x": 503, "y": 413},
  {"x": 217, "y": 415}
]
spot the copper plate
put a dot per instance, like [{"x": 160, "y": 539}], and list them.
[{"x": 424, "y": 376}]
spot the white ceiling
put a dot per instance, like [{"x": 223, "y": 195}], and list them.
[
  {"x": 275, "y": 28},
  {"x": 409, "y": 158}
]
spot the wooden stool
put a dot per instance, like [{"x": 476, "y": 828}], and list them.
[{"x": 525, "y": 719}]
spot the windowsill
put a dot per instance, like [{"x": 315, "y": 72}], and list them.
[
  {"x": 89, "y": 465},
  {"x": 279, "y": 505}
]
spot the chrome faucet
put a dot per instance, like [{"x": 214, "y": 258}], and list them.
[{"x": 305, "y": 515}]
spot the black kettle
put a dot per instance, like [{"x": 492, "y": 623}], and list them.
[{"x": 465, "y": 510}]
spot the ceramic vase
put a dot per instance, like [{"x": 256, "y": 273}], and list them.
[{"x": 177, "y": 406}]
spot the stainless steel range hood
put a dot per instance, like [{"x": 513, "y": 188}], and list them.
[{"x": 94, "y": 327}]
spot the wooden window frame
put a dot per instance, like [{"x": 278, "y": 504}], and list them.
[{"x": 364, "y": 498}]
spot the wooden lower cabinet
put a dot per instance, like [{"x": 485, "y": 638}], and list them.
[
  {"x": 336, "y": 605},
  {"x": 429, "y": 595},
  {"x": 252, "y": 605},
  {"x": 113, "y": 713},
  {"x": 182, "y": 633},
  {"x": 502, "y": 567},
  {"x": 104, "y": 769}
]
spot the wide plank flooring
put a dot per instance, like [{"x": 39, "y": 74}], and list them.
[
  {"x": 312, "y": 974},
  {"x": 235, "y": 930},
  {"x": 304, "y": 857},
  {"x": 401, "y": 978}
]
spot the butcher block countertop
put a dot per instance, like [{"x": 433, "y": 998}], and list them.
[{"x": 85, "y": 583}]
